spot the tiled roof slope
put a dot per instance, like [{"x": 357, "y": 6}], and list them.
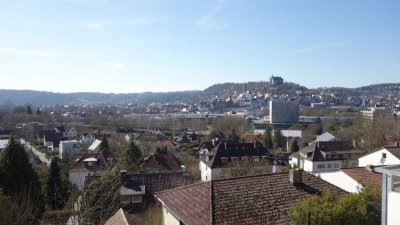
[
  {"x": 191, "y": 204},
  {"x": 394, "y": 150},
  {"x": 122, "y": 218},
  {"x": 363, "y": 176},
  {"x": 264, "y": 199},
  {"x": 166, "y": 162}
]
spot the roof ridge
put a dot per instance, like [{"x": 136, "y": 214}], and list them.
[
  {"x": 186, "y": 186},
  {"x": 241, "y": 177}
]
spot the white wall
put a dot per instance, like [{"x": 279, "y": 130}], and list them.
[
  {"x": 393, "y": 209},
  {"x": 168, "y": 217},
  {"x": 78, "y": 178},
  {"x": 375, "y": 159},
  {"x": 308, "y": 166},
  {"x": 70, "y": 147},
  {"x": 205, "y": 171},
  {"x": 340, "y": 179}
]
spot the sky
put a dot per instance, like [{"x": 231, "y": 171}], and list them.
[{"x": 128, "y": 46}]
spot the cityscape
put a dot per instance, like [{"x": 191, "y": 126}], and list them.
[{"x": 199, "y": 112}]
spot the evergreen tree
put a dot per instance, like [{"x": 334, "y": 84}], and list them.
[
  {"x": 133, "y": 157},
  {"x": 29, "y": 110},
  {"x": 295, "y": 146},
  {"x": 19, "y": 180},
  {"x": 268, "y": 137},
  {"x": 38, "y": 111},
  {"x": 55, "y": 191},
  {"x": 6, "y": 214},
  {"x": 103, "y": 144},
  {"x": 278, "y": 139}
]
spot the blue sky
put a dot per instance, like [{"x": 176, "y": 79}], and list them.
[{"x": 136, "y": 46}]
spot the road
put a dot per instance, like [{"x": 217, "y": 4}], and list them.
[{"x": 41, "y": 155}]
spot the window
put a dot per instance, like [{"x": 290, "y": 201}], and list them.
[
  {"x": 345, "y": 156},
  {"x": 321, "y": 166},
  {"x": 384, "y": 155},
  {"x": 329, "y": 166},
  {"x": 328, "y": 156},
  {"x": 336, "y": 165}
]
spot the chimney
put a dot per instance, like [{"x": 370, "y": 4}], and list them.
[
  {"x": 398, "y": 144},
  {"x": 213, "y": 142},
  {"x": 122, "y": 175},
  {"x": 225, "y": 145},
  {"x": 370, "y": 168},
  {"x": 296, "y": 176}
]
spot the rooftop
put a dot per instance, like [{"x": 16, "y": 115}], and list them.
[{"x": 264, "y": 199}]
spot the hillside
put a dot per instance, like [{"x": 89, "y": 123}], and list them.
[{"x": 19, "y": 97}]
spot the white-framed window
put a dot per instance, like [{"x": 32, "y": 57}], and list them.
[{"x": 336, "y": 165}]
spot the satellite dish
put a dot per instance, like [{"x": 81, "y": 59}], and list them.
[{"x": 382, "y": 161}]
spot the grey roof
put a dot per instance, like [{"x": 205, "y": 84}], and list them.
[{"x": 326, "y": 137}]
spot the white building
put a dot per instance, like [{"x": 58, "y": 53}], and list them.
[
  {"x": 91, "y": 164},
  {"x": 390, "y": 194},
  {"x": 226, "y": 160},
  {"x": 71, "y": 134},
  {"x": 352, "y": 180},
  {"x": 69, "y": 147},
  {"x": 88, "y": 138},
  {"x": 385, "y": 156},
  {"x": 329, "y": 155}
]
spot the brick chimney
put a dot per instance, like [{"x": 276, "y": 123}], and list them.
[{"x": 296, "y": 176}]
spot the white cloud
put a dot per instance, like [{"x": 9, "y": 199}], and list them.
[
  {"x": 207, "y": 21},
  {"x": 318, "y": 47},
  {"x": 95, "y": 25}
]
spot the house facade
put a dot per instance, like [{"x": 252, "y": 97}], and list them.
[
  {"x": 90, "y": 165},
  {"x": 87, "y": 138},
  {"x": 326, "y": 155},
  {"x": 227, "y": 160},
  {"x": 384, "y": 156},
  {"x": 72, "y": 148}
]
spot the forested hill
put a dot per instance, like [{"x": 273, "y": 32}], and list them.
[{"x": 18, "y": 97}]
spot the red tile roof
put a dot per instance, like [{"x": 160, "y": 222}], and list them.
[
  {"x": 190, "y": 204},
  {"x": 363, "y": 176},
  {"x": 264, "y": 199}
]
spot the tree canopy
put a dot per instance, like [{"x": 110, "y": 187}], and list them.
[
  {"x": 103, "y": 144},
  {"x": 295, "y": 146},
  {"x": 20, "y": 182},
  {"x": 329, "y": 209},
  {"x": 56, "y": 191},
  {"x": 100, "y": 199},
  {"x": 268, "y": 137}
]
